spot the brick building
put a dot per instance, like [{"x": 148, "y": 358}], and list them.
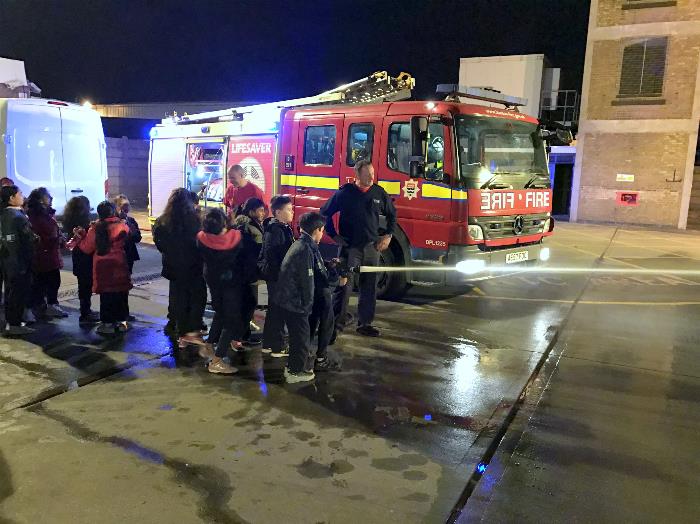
[{"x": 640, "y": 112}]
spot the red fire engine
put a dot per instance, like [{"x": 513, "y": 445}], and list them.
[{"x": 469, "y": 182}]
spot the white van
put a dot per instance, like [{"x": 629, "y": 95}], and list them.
[{"x": 54, "y": 144}]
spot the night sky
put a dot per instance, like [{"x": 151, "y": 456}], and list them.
[{"x": 173, "y": 50}]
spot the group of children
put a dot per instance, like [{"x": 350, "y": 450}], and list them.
[
  {"x": 229, "y": 252},
  {"x": 103, "y": 254},
  {"x": 226, "y": 252}
]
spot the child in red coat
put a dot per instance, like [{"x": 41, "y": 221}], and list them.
[{"x": 110, "y": 270}]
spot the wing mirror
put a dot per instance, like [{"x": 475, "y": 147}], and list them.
[{"x": 419, "y": 146}]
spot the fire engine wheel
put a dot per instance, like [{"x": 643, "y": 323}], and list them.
[{"x": 391, "y": 285}]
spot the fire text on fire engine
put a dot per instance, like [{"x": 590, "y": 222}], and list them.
[{"x": 498, "y": 200}]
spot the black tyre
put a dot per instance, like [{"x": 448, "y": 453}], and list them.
[{"x": 391, "y": 286}]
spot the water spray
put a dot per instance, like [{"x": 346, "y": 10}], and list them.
[{"x": 475, "y": 267}]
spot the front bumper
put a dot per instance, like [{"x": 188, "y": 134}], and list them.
[{"x": 495, "y": 258}]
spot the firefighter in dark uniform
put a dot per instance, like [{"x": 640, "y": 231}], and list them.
[{"x": 360, "y": 205}]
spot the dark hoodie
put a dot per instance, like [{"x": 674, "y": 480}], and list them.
[
  {"x": 251, "y": 243},
  {"x": 181, "y": 257},
  {"x": 277, "y": 240},
  {"x": 18, "y": 241},
  {"x": 298, "y": 275},
  {"x": 221, "y": 254}
]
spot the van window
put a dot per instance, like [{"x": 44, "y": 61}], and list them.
[
  {"x": 360, "y": 141},
  {"x": 319, "y": 145}
]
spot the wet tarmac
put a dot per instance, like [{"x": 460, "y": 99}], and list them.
[{"x": 128, "y": 429}]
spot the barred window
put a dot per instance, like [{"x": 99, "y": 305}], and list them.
[{"x": 643, "y": 68}]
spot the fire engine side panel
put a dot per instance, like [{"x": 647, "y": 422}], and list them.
[
  {"x": 256, "y": 155},
  {"x": 165, "y": 171}
]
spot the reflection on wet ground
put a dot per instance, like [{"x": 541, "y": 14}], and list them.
[{"x": 394, "y": 437}]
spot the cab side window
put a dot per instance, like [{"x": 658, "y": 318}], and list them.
[
  {"x": 435, "y": 161},
  {"x": 399, "y": 146},
  {"x": 319, "y": 145},
  {"x": 360, "y": 142}
]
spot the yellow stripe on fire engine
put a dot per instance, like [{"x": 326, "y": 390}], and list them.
[
  {"x": 393, "y": 188},
  {"x": 317, "y": 182},
  {"x": 288, "y": 180},
  {"x": 434, "y": 191},
  {"x": 216, "y": 140},
  {"x": 210, "y": 204},
  {"x": 459, "y": 195}
]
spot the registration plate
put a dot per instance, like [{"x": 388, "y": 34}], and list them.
[{"x": 518, "y": 256}]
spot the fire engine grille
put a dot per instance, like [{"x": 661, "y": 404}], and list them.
[{"x": 506, "y": 226}]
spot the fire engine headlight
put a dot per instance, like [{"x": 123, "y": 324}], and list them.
[
  {"x": 469, "y": 267},
  {"x": 545, "y": 226},
  {"x": 475, "y": 232}
]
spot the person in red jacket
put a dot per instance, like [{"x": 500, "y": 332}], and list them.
[
  {"x": 110, "y": 272},
  {"x": 47, "y": 263},
  {"x": 239, "y": 190}
]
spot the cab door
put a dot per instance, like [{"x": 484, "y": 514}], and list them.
[
  {"x": 362, "y": 142},
  {"x": 318, "y": 165},
  {"x": 424, "y": 204}
]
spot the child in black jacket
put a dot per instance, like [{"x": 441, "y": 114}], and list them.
[
  {"x": 277, "y": 240},
  {"x": 16, "y": 253},
  {"x": 302, "y": 268},
  {"x": 121, "y": 202},
  {"x": 322, "y": 318},
  {"x": 249, "y": 223},
  {"x": 76, "y": 223}
]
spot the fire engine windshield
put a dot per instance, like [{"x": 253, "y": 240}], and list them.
[{"x": 496, "y": 153}]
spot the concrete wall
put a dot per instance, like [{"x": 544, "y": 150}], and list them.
[
  {"x": 652, "y": 138},
  {"x": 518, "y": 75},
  {"x": 127, "y": 169}
]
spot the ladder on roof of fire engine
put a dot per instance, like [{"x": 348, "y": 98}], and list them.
[
  {"x": 453, "y": 92},
  {"x": 375, "y": 88}
]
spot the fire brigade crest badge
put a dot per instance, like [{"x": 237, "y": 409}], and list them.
[{"x": 411, "y": 189}]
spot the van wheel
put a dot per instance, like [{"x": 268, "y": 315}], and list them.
[{"x": 391, "y": 286}]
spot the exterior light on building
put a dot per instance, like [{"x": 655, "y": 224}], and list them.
[{"x": 87, "y": 103}]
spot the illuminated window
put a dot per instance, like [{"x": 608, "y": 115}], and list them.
[
  {"x": 204, "y": 170},
  {"x": 360, "y": 142},
  {"x": 643, "y": 68},
  {"x": 319, "y": 145}
]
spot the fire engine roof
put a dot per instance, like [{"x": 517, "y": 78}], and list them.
[{"x": 413, "y": 108}]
